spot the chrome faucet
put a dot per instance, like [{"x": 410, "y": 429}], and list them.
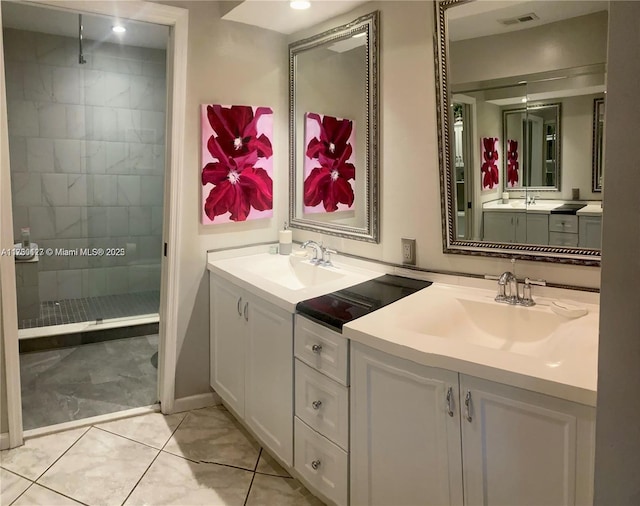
[
  {"x": 512, "y": 295},
  {"x": 318, "y": 251},
  {"x": 508, "y": 279}
]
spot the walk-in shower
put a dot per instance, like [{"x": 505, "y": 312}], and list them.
[{"x": 86, "y": 116}]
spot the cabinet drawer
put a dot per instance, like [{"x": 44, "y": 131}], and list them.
[
  {"x": 321, "y": 348},
  {"x": 563, "y": 223},
  {"x": 323, "y": 464},
  {"x": 562, "y": 239},
  {"x": 323, "y": 404}
]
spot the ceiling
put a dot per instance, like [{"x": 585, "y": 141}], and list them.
[
  {"x": 479, "y": 19},
  {"x": 64, "y": 22},
  {"x": 276, "y": 15}
]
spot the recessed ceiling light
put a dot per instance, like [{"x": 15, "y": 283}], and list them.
[
  {"x": 358, "y": 35},
  {"x": 299, "y": 4},
  {"x": 118, "y": 29}
]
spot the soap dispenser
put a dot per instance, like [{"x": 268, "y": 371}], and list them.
[{"x": 285, "y": 239}]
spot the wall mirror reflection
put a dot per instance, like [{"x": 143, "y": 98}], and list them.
[
  {"x": 520, "y": 134},
  {"x": 333, "y": 131}
]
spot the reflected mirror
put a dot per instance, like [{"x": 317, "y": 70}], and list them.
[
  {"x": 333, "y": 131},
  {"x": 519, "y": 133}
]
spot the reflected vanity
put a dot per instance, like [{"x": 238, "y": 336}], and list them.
[
  {"x": 333, "y": 99},
  {"x": 521, "y": 128}
]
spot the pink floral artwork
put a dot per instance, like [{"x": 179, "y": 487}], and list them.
[
  {"x": 237, "y": 163},
  {"x": 489, "y": 167},
  {"x": 329, "y": 172},
  {"x": 513, "y": 166}
]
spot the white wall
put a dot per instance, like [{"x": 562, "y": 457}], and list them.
[
  {"x": 617, "y": 427},
  {"x": 228, "y": 63}
]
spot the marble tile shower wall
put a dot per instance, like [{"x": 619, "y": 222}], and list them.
[{"x": 87, "y": 159}]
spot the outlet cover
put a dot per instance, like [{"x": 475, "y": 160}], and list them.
[{"x": 408, "y": 251}]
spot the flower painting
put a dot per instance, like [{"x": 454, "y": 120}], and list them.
[
  {"x": 513, "y": 166},
  {"x": 237, "y": 163},
  {"x": 329, "y": 172},
  {"x": 489, "y": 168}
]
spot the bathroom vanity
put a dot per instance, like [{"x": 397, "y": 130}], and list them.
[{"x": 442, "y": 397}]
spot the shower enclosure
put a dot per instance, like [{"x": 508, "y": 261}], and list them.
[{"x": 86, "y": 124}]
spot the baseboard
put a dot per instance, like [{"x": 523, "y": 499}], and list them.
[
  {"x": 4, "y": 441},
  {"x": 196, "y": 402}
]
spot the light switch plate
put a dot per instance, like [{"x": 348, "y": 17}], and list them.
[{"x": 408, "y": 251}]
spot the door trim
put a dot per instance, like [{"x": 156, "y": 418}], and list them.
[{"x": 176, "y": 19}]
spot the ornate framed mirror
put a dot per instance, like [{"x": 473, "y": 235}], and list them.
[
  {"x": 516, "y": 127},
  {"x": 333, "y": 131}
]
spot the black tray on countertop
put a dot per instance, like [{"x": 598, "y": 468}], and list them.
[
  {"x": 567, "y": 209},
  {"x": 335, "y": 309}
]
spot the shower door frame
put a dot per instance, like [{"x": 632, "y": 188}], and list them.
[{"x": 176, "y": 18}]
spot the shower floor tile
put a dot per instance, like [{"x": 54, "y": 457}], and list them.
[
  {"x": 92, "y": 379},
  {"x": 58, "y": 312}
]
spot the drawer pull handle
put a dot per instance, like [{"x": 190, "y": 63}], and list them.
[
  {"x": 467, "y": 405},
  {"x": 449, "y": 399},
  {"x": 316, "y": 348},
  {"x": 316, "y": 464},
  {"x": 316, "y": 404}
]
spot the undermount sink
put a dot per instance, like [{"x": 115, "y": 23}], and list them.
[
  {"x": 293, "y": 273},
  {"x": 477, "y": 319}
]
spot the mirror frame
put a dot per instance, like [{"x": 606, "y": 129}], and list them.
[
  {"x": 370, "y": 232},
  {"x": 450, "y": 243},
  {"x": 597, "y": 154},
  {"x": 558, "y": 153}
]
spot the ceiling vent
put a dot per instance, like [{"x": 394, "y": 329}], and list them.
[{"x": 524, "y": 18}]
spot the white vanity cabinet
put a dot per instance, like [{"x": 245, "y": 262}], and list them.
[
  {"x": 252, "y": 364},
  {"x": 590, "y": 232},
  {"x": 525, "y": 448},
  {"x": 405, "y": 435},
  {"x": 501, "y": 226},
  {"x": 520, "y": 227},
  {"x": 322, "y": 409},
  {"x": 421, "y": 435}
]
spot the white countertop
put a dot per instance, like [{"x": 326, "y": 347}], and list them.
[
  {"x": 563, "y": 365},
  {"x": 591, "y": 210},
  {"x": 540, "y": 207},
  {"x": 250, "y": 270}
]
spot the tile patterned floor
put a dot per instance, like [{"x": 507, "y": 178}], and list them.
[
  {"x": 58, "y": 312},
  {"x": 72, "y": 383},
  {"x": 203, "y": 457}
]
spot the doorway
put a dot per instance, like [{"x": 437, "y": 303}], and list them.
[{"x": 87, "y": 160}]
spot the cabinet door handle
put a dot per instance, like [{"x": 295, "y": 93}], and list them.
[
  {"x": 316, "y": 404},
  {"x": 467, "y": 407},
  {"x": 449, "y": 399},
  {"x": 512, "y": 220},
  {"x": 246, "y": 311},
  {"x": 316, "y": 464},
  {"x": 238, "y": 306},
  {"x": 316, "y": 348}
]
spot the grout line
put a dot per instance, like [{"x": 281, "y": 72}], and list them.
[
  {"x": 142, "y": 476},
  {"x": 255, "y": 468},
  {"x": 63, "y": 454},
  {"x": 252, "y": 478},
  {"x": 22, "y": 493},
  {"x": 60, "y": 493},
  {"x": 125, "y": 437}
]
